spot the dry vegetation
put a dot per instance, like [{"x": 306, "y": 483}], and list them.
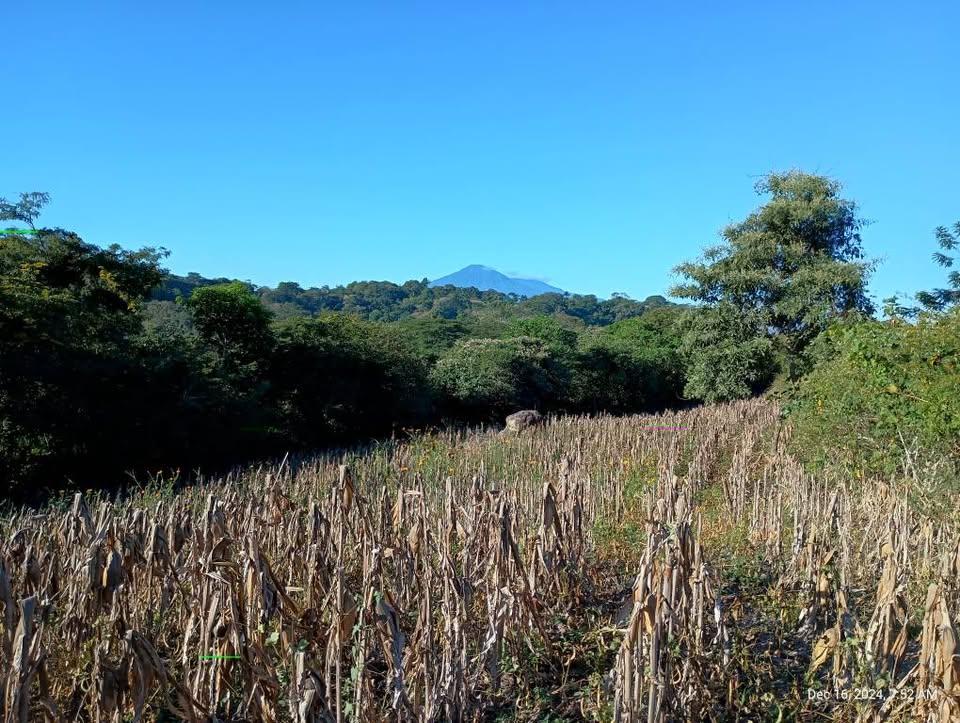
[{"x": 590, "y": 569}]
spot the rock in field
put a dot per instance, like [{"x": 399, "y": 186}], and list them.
[{"x": 523, "y": 419}]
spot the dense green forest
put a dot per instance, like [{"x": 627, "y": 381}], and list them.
[
  {"x": 111, "y": 367},
  {"x": 386, "y": 301}
]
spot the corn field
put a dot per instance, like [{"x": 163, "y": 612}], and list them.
[{"x": 677, "y": 567}]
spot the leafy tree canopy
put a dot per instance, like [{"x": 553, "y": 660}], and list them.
[
  {"x": 728, "y": 355},
  {"x": 26, "y": 210},
  {"x": 781, "y": 275},
  {"x": 487, "y": 378},
  {"x": 944, "y": 298},
  {"x": 231, "y": 318},
  {"x": 796, "y": 260},
  {"x": 386, "y": 301},
  {"x": 68, "y": 314},
  {"x": 336, "y": 377},
  {"x": 560, "y": 338}
]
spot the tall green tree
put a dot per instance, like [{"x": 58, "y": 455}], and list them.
[
  {"x": 432, "y": 337},
  {"x": 782, "y": 274},
  {"x": 231, "y": 318},
  {"x": 652, "y": 342},
  {"x": 560, "y": 338},
  {"x": 233, "y": 327}
]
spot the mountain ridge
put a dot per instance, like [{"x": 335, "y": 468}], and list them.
[{"x": 486, "y": 278}]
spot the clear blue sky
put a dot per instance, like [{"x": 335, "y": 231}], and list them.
[{"x": 594, "y": 145}]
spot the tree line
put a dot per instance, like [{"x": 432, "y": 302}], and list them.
[
  {"x": 387, "y": 301},
  {"x": 110, "y": 366}
]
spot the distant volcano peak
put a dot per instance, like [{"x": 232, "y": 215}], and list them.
[{"x": 485, "y": 278}]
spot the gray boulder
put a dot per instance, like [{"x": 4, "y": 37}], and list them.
[{"x": 523, "y": 419}]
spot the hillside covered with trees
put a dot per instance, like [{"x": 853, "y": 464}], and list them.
[{"x": 387, "y": 301}]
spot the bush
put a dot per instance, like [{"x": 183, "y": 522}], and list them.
[
  {"x": 652, "y": 342},
  {"x": 877, "y": 387},
  {"x": 487, "y": 378},
  {"x": 610, "y": 376},
  {"x": 337, "y": 377}
]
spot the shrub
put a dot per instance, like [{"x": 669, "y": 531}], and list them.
[
  {"x": 336, "y": 378},
  {"x": 491, "y": 377},
  {"x": 877, "y": 387}
]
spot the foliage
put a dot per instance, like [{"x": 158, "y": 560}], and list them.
[
  {"x": 728, "y": 355},
  {"x": 878, "y": 388},
  {"x": 608, "y": 377},
  {"x": 653, "y": 340},
  {"x": 560, "y": 338},
  {"x": 944, "y": 298},
  {"x": 386, "y": 301},
  {"x": 167, "y": 321},
  {"x": 632, "y": 364},
  {"x": 26, "y": 210},
  {"x": 233, "y": 357},
  {"x": 230, "y": 318},
  {"x": 68, "y": 376},
  {"x": 487, "y": 378},
  {"x": 781, "y": 275},
  {"x": 336, "y": 378},
  {"x": 431, "y": 337}
]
